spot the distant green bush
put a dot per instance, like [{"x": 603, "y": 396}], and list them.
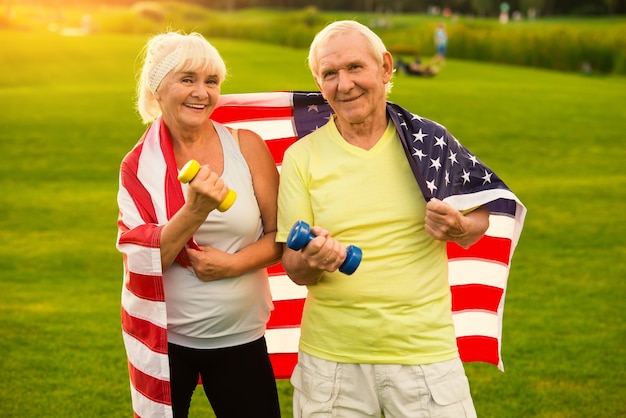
[{"x": 562, "y": 47}]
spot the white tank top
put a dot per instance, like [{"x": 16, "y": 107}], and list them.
[{"x": 225, "y": 312}]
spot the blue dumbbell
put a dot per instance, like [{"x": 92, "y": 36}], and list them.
[{"x": 300, "y": 235}]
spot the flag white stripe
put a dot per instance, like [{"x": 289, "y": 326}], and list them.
[
  {"x": 482, "y": 323},
  {"x": 469, "y": 271},
  {"x": 142, "y": 260},
  {"x": 148, "y": 310},
  {"x": 472, "y": 200},
  {"x": 501, "y": 226},
  {"x": 145, "y": 407},
  {"x": 282, "y": 340},
  {"x": 132, "y": 217},
  {"x": 147, "y": 361},
  {"x": 269, "y": 99},
  {"x": 283, "y": 288},
  {"x": 268, "y": 129}
]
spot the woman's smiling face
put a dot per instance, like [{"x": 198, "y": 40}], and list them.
[{"x": 187, "y": 98}]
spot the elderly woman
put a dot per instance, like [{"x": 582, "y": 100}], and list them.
[{"x": 196, "y": 298}]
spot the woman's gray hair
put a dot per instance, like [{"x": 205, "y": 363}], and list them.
[
  {"x": 342, "y": 27},
  {"x": 173, "y": 51}
]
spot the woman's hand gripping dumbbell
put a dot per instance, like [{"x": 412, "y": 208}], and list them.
[
  {"x": 189, "y": 171},
  {"x": 300, "y": 235}
]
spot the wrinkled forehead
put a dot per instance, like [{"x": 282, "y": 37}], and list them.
[{"x": 344, "y": 49}]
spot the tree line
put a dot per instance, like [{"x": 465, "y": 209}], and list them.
[{"x": 483, "y": 8}]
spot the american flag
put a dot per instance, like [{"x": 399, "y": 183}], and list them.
[{"x": 442, "y": 167}]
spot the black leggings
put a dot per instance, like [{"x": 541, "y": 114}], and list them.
[{"x": 238, "y": 381}]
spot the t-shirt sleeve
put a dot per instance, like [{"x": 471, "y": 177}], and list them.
[{"x": 294, "y": 202}]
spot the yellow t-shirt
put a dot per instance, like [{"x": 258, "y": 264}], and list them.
[{"x": 396, "y": 307}]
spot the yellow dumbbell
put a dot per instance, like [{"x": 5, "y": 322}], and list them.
[{"x": 189, "y": 171}]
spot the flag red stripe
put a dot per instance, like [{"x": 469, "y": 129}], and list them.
[
  {"x": 145, "y": 287},
  {"x": 478, "y": 348},
  {"x": 476, "y": 296},
  {"x": 226, "y": 114},
  {"x": 286, "y": 313},
  {"x": 278, "y": 147},
  {"x": 152, "y": 388},
  {"x": 141, "y": 235},
  {"x": 487, "y": 248},
  {"x": 172, "y": 188},
  {"x": 276, "y": 270},
  {"x": 152, "y": 336},
  {"x": 283, "y": 364}
]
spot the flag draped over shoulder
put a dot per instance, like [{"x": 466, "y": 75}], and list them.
[
  {"x": 150, "y": 194},
  {"x": 446, "y": 170}
]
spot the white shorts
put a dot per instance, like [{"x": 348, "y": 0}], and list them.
[{"x": 328, "y": 389}]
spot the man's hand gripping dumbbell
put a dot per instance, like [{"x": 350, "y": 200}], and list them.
[{"x": 300, "y": 235}]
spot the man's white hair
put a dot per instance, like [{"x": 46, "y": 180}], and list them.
[{"x": 342, "y": 27}]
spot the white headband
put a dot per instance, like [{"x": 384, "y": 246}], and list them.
[{"x": 162, "y": 68}]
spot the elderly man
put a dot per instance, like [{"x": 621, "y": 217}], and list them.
[{"x": 382, "y": 340}]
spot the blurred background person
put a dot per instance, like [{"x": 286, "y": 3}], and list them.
[
  {"x": 440, "y": 37},
  {"x": 416, "y": 67}
]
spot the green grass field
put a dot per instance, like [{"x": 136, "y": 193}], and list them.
[{"x": 67, "y": 119}]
